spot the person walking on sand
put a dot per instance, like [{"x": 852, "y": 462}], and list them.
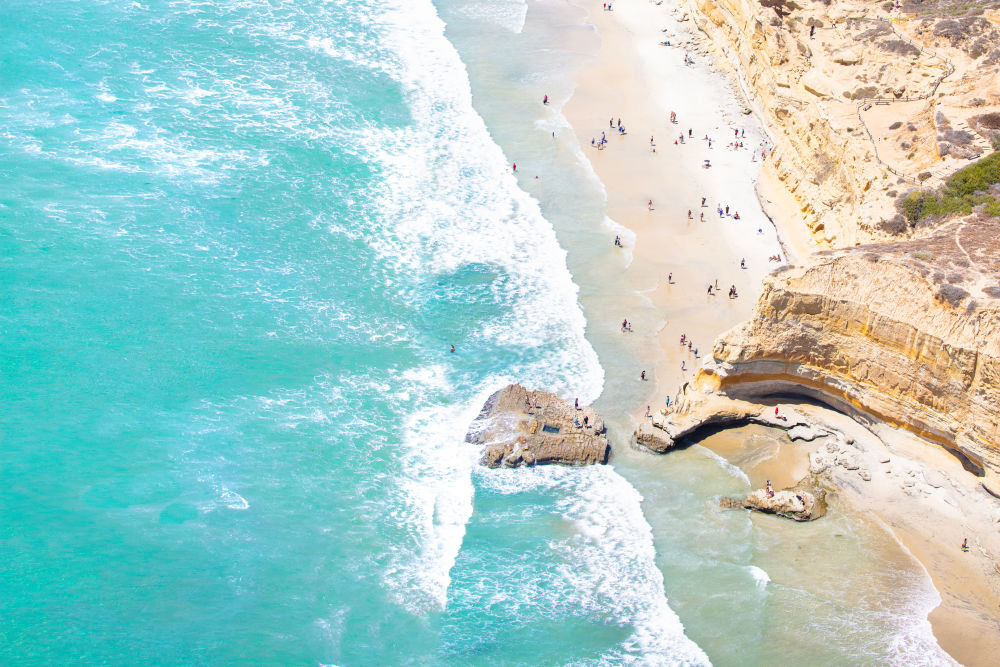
[
  {"x": 545, "y": 100},
  {"x": 642, "y": 376},
  {"x": 703, "y": 202},
  {"x": 670, "y": 278},
  {"x": 965, "y": 544},
  {"x": 689, "y": 214},
  {"x": 650, "y": 205},
  {"x": 576, "y": 403},
  {"x": 514, "y": 168}
]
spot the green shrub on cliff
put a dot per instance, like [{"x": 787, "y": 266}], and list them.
[{"x": 966, "y": 188}]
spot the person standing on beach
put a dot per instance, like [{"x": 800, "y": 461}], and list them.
[
  {"x": 650, "y": 205},
  {"x": 703, "y": 201}
]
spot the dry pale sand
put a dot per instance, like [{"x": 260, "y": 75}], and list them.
[{"x": 639, "y": 81}]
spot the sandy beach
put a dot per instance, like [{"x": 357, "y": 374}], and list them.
[
  {"x": 920, "y": 493},
  {"x": 641, "y": 82}
]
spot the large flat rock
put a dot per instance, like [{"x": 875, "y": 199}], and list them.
[{"x": 521, "y": 427}]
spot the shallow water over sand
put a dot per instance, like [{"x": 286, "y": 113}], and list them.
[{"x": 748, "y": 589}]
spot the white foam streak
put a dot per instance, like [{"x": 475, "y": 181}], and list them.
[
  {"x": 610, "y": 561},
  {"x": 435, "y": 504}
]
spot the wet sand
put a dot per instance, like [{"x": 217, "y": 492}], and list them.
[
  {"x": 640, "y": 82},
  {"x": 637, "y": 80},
  {"x": 929, "y": 521}
]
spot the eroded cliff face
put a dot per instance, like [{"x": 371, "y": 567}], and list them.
[
  {"x": 880, "y": 333},
  {"x": 860, "y": 108}
]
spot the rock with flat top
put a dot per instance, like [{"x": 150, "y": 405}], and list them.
[
  {"x": 799, "y": 503},
  {"x": 519, "y": 427}
]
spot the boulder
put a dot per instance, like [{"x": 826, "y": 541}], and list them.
[
  {"x": 524, "y": 428},
  {"x": 799, "y": 503},
  {"x": 655, "y": 439}
]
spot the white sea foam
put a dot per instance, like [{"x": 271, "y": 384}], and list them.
[
  {"x": 726, "y": 465},
  {"x": 449, "y": 202},
  {"x": 435, "y": 503},
  {"x": 609, "y": 562},
  {"x": 476, "y": 214},
  {"x": 759, "y": 576}
]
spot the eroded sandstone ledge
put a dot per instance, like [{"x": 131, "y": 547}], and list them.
[
  {"x": 524, "y": 428},
  {"x": 875, "y": 333}
]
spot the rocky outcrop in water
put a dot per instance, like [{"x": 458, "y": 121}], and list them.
[
  {"x": 525, "y": 428},
  {"x": 799, "y": 503}
]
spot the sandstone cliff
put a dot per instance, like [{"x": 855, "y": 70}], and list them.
[
  {"x": 863, "y": 101},
  {"x": 907, "y": 333},
  {"x": 520, "y": 427}
]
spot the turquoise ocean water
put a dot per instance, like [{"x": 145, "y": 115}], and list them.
[{"x": 236, "y": 241}]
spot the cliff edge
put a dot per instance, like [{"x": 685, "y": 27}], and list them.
[{"x": 905, "y": 333}]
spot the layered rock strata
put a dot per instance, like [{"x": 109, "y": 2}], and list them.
[
  {"x": 890, "y": 333},
  {"x": 519, "y": 427}
]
